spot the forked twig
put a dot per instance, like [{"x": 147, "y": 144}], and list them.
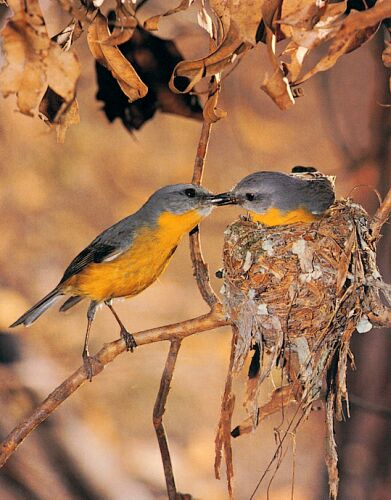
[
  {"x": 106, "y": 355},
  {"x": 158, "y": 412}
]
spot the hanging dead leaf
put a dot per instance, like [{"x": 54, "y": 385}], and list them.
[
  {"x": 357, "y": 28},
  {"x": 114, "y": 60},
  {"x": 69, "y": 34},
  {"x": 236, "y": 28},
  {"x": 58, "y": 112},
  {"x": 35, "y": 63},
  {"x": 62, "y": 72},
  {"x": 208, "y": 22},
  {"x": 25, "y": 43},
  {"x": 153, "y": 59},
  {"x": 152, "y": 23},
  {"x": 277, "y": 85},
  {"x": 211, "y": 112},
  {"x": 124, "y": 23},
  {"x": 188, "y": 73},
  {"x": 70, "y": 117},
  {"x": 300, "y": 15},
  {"x": 82, "y": 10}
]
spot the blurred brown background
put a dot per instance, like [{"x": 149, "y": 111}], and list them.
[{"x": 55, "y": 199}]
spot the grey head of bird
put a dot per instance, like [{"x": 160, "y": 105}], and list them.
[
  {"x": 260, "y": 191},
  {"x": 179, "y": 199}
]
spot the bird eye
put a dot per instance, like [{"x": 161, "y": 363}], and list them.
[
  {"x": 249, "y": 196},
  {"x": 190, "y": 192}
]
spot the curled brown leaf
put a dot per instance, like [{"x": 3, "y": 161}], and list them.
[
  {"x": 112, "y": 58},
  {"x": 124, "y": 25},
  {"x": 357, "y": 28},
  {"x": 35, "y": 64},
  {"x": 152, "y": 23}
]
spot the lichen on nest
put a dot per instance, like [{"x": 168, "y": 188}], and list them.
[{"x": 295, "y": 294}]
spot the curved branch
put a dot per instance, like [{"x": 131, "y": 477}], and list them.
[
  {"x": 105, "y": 356},
  {"x": 381, "y": 215},
  {"x": 158, "y": 412},
  {"x": 201, "y": 271}
]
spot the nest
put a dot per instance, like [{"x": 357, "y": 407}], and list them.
[{"x": 295, "y": 295}]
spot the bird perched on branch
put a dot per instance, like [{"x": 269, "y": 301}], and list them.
[
  {"x": 276, "y": 198},
  {"x": 129, "y": 256}
]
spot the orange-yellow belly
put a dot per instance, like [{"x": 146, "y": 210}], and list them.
[
  {"x": 137, "y": 268},
  {"x": 275, "y": 217}
]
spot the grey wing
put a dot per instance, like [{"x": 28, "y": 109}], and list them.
[
  {"x": 321, "y": 195},
  {"x": 106, "y": 247}
]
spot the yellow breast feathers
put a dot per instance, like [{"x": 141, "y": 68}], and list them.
[{"x": 274, "y": 217}]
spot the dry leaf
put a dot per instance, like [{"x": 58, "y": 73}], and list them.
[
  {"x": 152, "y": 23},
  {"x": 356, "y": 29},
  {"x": 114, "y": 60},
  {"x": 63, "y": 70},
  {"x": 211, "y": 112},
  {"x": 82, "y": 10},
  {"x": 68, "y": 118},
  {"x": 124, "y": 24},
  {"x": 277, "y": 85},
  {"x": 25, "y": 43},
  {"x": 236, "y": 26},
  {"x": 153, "y": 59},
  {"x": 35, "y": 63},
  {"x": 188, "y": 73},
  {"x": 69, "y": 34}
]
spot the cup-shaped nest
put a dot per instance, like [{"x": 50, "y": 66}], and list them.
[{"x": 296, "y": 293}]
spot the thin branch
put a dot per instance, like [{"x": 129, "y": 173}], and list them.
[
  {"x": 381, "y": 215},
  {"x": 106, "y": 355},
  {"x": 201, "y": 272},
  {"x": 158, "y": 412},
  {"x": 202, "y": 149}
]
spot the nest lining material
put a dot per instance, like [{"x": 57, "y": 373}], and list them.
[{"x": 295, "y": 294}]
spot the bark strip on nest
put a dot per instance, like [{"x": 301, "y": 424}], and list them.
[{"x": 295, "y": 295}]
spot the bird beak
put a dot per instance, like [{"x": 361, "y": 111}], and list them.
[{"x": 223, "y": 199}]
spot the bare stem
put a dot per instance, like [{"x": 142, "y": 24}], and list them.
[
  {"x": 202, "y": 149},
  {"x": 106, "y": 355},
  {"x": 201, "y": 272},
  {"x": 158, "y": 412},
  {"x": 381, "y": 215}
]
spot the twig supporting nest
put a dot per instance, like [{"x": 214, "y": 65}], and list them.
[{"x": 295, "y": 295}]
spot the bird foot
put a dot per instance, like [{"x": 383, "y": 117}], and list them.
[
  {"x": 129, "y": 340},
  {"x": 91, "y": 366}
]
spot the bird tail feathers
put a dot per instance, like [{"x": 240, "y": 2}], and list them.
[
  {"x": 39, "y": 308},
  {"x": 72, "y": 301}
]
